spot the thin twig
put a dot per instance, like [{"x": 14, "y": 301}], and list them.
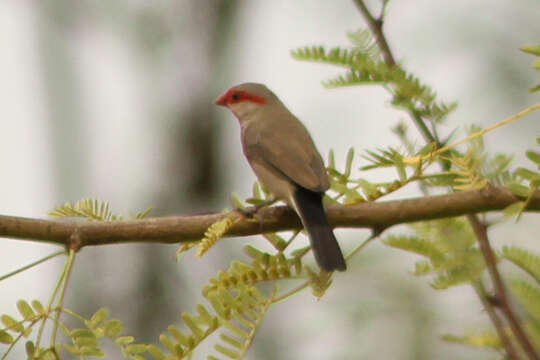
[
  {"x": 35, "y": 263},
  {"x": 376, "y": 25},
  {"x": 482, "y": 132},
  {"x": 496, "y": 320},
  {"x": 67, "y": 272},
  {"x": 500, "y": 289}
]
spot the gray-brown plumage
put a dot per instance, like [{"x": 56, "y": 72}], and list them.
[{"x": 285, "y": 159}]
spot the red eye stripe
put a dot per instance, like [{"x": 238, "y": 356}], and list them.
[{"x": 233, "y": 96}]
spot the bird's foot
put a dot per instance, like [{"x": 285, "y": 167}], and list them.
[{"x": 251, "y": 211}]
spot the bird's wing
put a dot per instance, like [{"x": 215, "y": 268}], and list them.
[{"x": 291, "y": 151}]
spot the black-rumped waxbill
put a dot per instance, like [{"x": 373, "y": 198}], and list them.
[{"x": 283, "y": 156}]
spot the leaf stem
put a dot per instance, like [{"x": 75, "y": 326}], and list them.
[
  {"x": 26, "y": 267},
  {"x": 290, "y": 292},
  {"x": 67, "y": 272}
]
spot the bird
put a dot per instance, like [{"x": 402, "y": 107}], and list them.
[{"x": 283, "y": 155}]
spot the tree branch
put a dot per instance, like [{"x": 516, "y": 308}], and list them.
[
  {"x": 375, "y": 215},
  {"x": 375, "y": 26}
]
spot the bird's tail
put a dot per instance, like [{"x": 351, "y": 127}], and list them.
[{"x": 325, "y": 247}]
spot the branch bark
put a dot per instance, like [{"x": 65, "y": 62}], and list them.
[{"x": 375, "y": 215}]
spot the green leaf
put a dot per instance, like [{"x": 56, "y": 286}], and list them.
[
  {"x": 39, "y": 307},
  {"x": 533, "y": 156},
  {"x": 135, "y": 349},
  {"x": 370, "y": 189},
  {"x": 72, "y": 349},
  {"x": 456, "y": 277},
  {"x": 331, "y": 159},
  {"x": 232, "y": 341},
  {"x": 30, "y": 349},
  {"x": 531, "y": 49},
  {"x": 173, "y": 348},
  {"x": 155, "y": 352},
  {"x": 529, "y": 296},
  {"x": 143, "y": 214},
  {"x": 352, "y": 196},
  {"x": 180, "y": 337},
  {"x": 79, "y": 333},
  {"x": 482, "y": 339},
  {"x": 25, "y": 310},
  {"x": 12, "y": 324},
  {"x": 527, "y": 261},
  {"x": 519, "y": 190},
  {"x": 422, "y": 268},
  {"x": 49, "y": 354},
  {"x": 514, "y": 209},
  {"x": 527, "y": 174},
  {"x": 192, "y": 324},
  {"x": 237, "y": 201},
  {"x": 92, "y": 351},
  {"x": 414, "y": 244},
  {"x": 124, "y": 340},
  {"x": 348, "y": 162},
  {"x": 227, "y": 352},
  {"x": 5, "y": 338},
  {"x": 440, "y": 179},
  {"x": 205, "y": 316},
  {"x": 113, "y": 328},
  {"x": 98, "y": 317},
  {"x": 88, "y": 342}
]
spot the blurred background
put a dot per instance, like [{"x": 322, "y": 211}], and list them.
[{"x": 114, "y": 100}]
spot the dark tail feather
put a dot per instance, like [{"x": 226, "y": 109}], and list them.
[{"x": 323, "y": 242}]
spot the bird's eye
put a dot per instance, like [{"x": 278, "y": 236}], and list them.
[{"x": 235, "y": 96}]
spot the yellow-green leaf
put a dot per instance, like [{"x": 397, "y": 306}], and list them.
[
  {"x": 135, "y": 349},
  {"x": 519, "y": 189},
  {"x": 82, "y": 333},
  {"x": 5, "y": 338},
  {"x": 72, "y": 349},
  {"x": 98, "y": 317},
  {"x": 92, "y": 351},
  {"x": 11, "y": 323},
  {"x": 38, "y": 306},
  {"x": 124, "y": 340},
  {"x": 197, "y": 331},
  {"x": 531, "y": 49},
  {"x": 113, "y": 328},
  {"x": 227, "y": 352},
  {"x": 514, "y": 209},
  {"x": 155, "y": 352},
  {"x": 30, "y": 349},
  {"x": 173, "y": 348},
  {"x": 25, "y": 310}
]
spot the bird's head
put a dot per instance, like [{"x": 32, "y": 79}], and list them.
[{"x": 245, "y": 99}]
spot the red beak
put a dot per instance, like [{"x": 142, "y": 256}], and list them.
[{"x": 222, "y": 100}]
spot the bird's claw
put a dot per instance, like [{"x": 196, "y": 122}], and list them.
[{"x": 251, "y": 211}]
